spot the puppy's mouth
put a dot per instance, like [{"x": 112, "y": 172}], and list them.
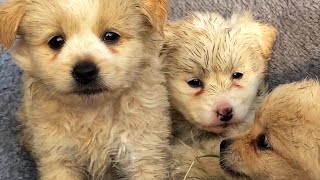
[
  {"x": 229, "y": 125},
  {"x": 221, "y": 127},
  {"x": 89, "y": 90}
]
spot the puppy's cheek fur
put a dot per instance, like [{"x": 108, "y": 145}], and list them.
[
  {"x": 184, "y": 100},
  {"x": 243, "y": 157},
  {"x": 41, "y": 61},
  {"x": 121, "y": 70},
  {"x": 265, "y": 166},
  {"x": 60, "y": 79},
  {"x": 22, "y": 57},
  {"x": 242, "y": 101}
]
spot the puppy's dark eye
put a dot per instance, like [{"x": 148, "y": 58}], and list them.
[
  {"x": 263, "y": 143},
  {"x": 110, "y": 37},
  {"x": 56, "y": 42},
  {"x": 195, "y": 83},
  {"x": 237, "y": 75}
]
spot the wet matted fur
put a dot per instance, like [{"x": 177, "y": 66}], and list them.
[{"x": 213, "y": 51}]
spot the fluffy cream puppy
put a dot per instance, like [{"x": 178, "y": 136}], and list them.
[
  {"x": 284, "y": 141},
  {"x": 215, "y": 69},
  {"x": 94, "y": 97}
]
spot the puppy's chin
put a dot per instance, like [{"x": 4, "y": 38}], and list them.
[
  {"x": 85, "y": 97},
  {"x": 70, "y": 93},
  {"x": 75, "y": 89},
  {"x": 230, "y": 171},
  {"x": 90, "y": 90},
  {"x": 234, "y": 174},
  {"x": 220, "y": 129}
]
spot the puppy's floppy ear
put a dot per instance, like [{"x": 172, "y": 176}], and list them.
[
  {"x": 10, "y": 16},
  {"x": 262, "y": 35},
  {"x": 266, "y": 36},
  {"x": 157, "y": 12},
  {"x": 170, "y": 42}
]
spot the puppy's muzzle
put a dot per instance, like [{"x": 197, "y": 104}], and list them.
[
  {"x": 225, "y": 112},
  {"x": 224, "y": 150},
  {"x": 224, "y": 145},
  {"x": 87, "y": 80},
  {"x": 85, "y": 72}
]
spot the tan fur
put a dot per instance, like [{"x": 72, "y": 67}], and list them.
[
  {"x": 158, "y": 9},
  {"x": 212, "y": 48},
  {"x": 264, "y": 34},
  {"x": 124, "y": 129},
  {"x": 289, "y": 118}
]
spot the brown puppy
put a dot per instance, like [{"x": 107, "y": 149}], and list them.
[
  {"x": 94, "y": 95},
  {"x": 215, "y": 69},
  {"x": 284, "y": 142}
]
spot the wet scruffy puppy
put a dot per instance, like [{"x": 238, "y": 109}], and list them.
[
  {"x": 215, "y": 69},
  {"x": 284, "y": 141},
  {"x": 94, "y": 95}
]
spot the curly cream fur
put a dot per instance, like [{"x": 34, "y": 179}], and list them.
[
  {"x": 122, "y": 132},
  {"x": 212, "y": 48}
]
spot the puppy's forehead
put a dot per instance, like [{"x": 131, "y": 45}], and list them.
[
  {"x": 218, "y": 52},
  {"x": 75, "y": 15},
  {"x": 211, "y": 43},
  {"x": 81, "y": 8},
  {"x": 291, "y": 105}
]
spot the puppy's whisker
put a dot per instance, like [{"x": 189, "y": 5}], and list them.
[
  {"x": 49, "y": 94},
  {"x": 36, "y": 90}
]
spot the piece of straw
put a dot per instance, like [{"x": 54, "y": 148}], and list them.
[{"x": 198, "y": 158}]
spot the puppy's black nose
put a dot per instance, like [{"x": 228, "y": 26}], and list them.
[
  {"x": 226, "y": 114},
  {"x": 85, "y": 72},
  {"x": 224, "y": 145}
]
